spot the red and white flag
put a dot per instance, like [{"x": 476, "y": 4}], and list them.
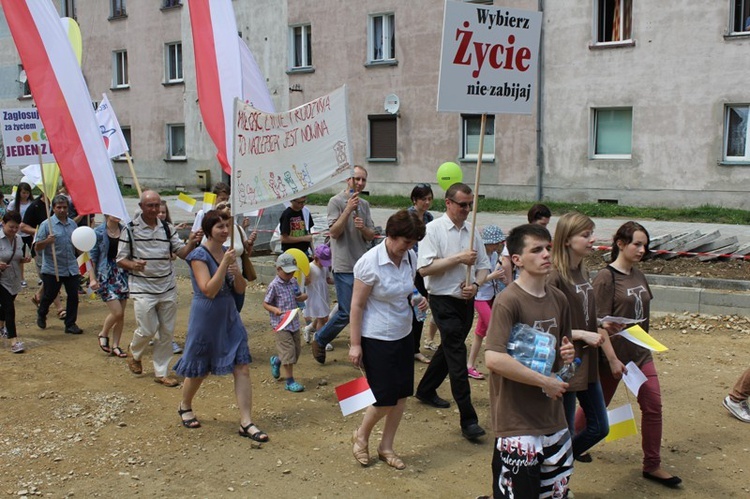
[
  {"x": 64, "y": 104},
  {"x": 222, "y": 70},
  {"x": 354, "y": 396},
  {"x": 114, "y": 140},
  {"x": 286, "y": 319}
]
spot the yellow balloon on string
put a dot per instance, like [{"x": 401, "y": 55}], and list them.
[{"x": 300, "y": 258}]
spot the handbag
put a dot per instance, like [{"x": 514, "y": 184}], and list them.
[{"x": 248, "y": 271}]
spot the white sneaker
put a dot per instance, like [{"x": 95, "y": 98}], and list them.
[
  {"x": 739, "y": 410},
  {"x": 308, "y": 333},
  {"x": 329, "y": 347},
  {"x": 17, "y": 347}
]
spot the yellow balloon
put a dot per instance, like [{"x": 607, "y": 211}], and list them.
[
  {"x": 74, "y": 35},
  {"x": 297, "y": 276},
  {"x": 303, "y": 263}
]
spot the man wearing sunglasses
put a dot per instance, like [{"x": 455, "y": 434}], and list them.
[
  {"x": 444, "y": 254},
  {"x": 351, "y": 228}
]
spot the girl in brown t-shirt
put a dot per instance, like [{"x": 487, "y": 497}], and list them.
[{"x": 621, "y": 290}]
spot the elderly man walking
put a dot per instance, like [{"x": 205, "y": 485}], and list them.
[{"x": 145, "y": 250}]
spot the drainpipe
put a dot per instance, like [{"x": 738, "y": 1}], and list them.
[{"x": 540, "y": 95}]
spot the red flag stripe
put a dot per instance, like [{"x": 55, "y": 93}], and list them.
[{"x": 352, "y": 388}]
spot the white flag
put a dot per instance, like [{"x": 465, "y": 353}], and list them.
[{"x": 114, "y": 140}]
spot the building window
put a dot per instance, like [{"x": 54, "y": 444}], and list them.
[
  {"x": 471, "y": 127},
  {"x": 120, "y": 77},
  {"x": 613, "y": 20},
  {"x": 117, "y": 9},
  {"x": 176, "y": 141},
  {"x": 168, "y": 4},
  {"x": 612, "y": 133},
  {"x": 736, "y": 133},
  {"x": 126, "y": 134},
  {"x": 381, "y": 41},
  {"x": 300, "y": 46},
  {"x": 740, "y": 16},
  {"x": 23, "y": 82},
  {"x": 383, "y": 137},
  {"x": 173, "y": 56},
  {"x": 68, "y": 8}
]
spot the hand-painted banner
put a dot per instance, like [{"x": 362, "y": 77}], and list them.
[
  {"x": 23, "y": 136},
  {"x": 488, "y": 59},
  {"x": 289, "y": 155}
]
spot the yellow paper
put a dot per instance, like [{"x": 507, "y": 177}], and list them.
[
  {"x": 642, "y": 338},
  {"x": 209, "y": 200},
  {"x": 621, "y": 423},
  {"x": 51, "y": 180}
]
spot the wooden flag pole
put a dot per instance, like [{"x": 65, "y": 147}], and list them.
[
  {"x": 476, "y": 193},
  {"x": 132, "y": 172},
  {"x": 49, "y": 216}
]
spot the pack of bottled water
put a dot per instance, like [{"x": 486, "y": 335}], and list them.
[{"x": 533, "y": 348}]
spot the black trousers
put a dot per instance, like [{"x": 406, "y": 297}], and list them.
[
  {"x": 8, "y": 311},
  {"x": 52, "y": 288},
  {"x": 453, "y": 317}
]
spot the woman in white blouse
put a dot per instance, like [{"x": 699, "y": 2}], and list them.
[{"x": 380, "y": 330}]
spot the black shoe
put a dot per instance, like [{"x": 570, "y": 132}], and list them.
[
  {"x": 472, "y": 431},
  {"x": 318, "y": 352},
  {"x": 74, "y": 329},
  {"x": 584, "y": 458},
  {"x": 434, "y": 401},
  {"x": 41, "y": 322},
  {"x": 672, "y": 482}
]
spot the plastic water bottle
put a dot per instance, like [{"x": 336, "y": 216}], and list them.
[
  {"x": 297, "y": 292},
  {"x": 533, "y": 348},
  {"x": 416, "y": 299},
  {"x": 568, "y": 370}
]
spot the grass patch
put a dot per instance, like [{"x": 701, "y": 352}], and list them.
[{"x": 706, "y": 213}]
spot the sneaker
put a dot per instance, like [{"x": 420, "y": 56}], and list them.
[
  {"x": 23, "y": 284},
  {"x": 275, "y": 367},
  {"x": 294, "y": 387},
  {"x": 3, "y": 333},
  {"x": 430, "y": 345},
  {"x": 308, "y": 333},
  {"x": 329, "y": 347},
  {"x": 473, "y": 373},
  {"x": 17, "y": 347},
  {"x": 176, "y": 348},
  {"x": 739, "y": 410}
]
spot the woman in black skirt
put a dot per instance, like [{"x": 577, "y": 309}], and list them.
[{"x": 380, "y": 331}]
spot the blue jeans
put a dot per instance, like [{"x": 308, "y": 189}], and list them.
[
  {"x": 597, "y": 423},
  {"x": 344, "y": 283}
]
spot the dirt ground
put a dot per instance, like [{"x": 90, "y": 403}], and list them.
[
  {"x": 75, "y": 422},
  {"x": 685, "y": 267}
]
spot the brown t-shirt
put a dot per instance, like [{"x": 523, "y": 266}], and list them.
[
  {"x": 580, "y": 295},
  {"x": 624, "y": 295},
  {"x": 518, "y": 408}
]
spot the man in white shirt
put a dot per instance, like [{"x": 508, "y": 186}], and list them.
[{"x": 444, "y": 254}]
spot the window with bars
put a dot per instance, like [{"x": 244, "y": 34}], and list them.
[{"x": 383, "y": 137}]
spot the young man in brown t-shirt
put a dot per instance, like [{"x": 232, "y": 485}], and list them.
[{"x": 533, "y": 455}]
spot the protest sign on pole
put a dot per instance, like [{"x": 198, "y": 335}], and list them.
[
  {"x": 488, "y": 60},
  {"x": 282, "y": 156},
  {"x": 24, "y": 137}
]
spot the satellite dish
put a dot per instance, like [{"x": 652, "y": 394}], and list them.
[
  {"x": 22, "y": 76},
  {"x": 391, "y": 104}
]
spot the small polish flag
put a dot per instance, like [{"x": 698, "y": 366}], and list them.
[
  {"x": 621, "y": 423},
  {"x": 354, "y": 396},
  {"x": 185, "y": 202},
  {"x": 286, "y": 319},
  {"x": 209, "y": 200},
  {"x": 84, "y": 263}
]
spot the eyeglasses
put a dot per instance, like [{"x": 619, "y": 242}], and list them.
[{"x": 469, "y": 204}]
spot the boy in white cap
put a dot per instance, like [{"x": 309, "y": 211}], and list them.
[
  {"x": 495, "y": 282},
  {"x": 281, "y": 298}
]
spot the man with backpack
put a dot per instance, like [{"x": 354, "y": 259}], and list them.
[{"x": 145, "y": 251}]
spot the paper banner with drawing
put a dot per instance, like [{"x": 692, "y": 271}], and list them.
[{"x": 287, "y": 155}]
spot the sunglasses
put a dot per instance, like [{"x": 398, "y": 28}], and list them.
[
  {"x": 424, "y": 186},
  {"x": 469, "y": 204}
]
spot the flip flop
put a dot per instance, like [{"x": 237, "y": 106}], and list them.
[
  {"x": 62, "y": 314},
  {"x": 104, "y": 344}
]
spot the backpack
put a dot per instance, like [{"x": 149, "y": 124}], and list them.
[{"x": 164, "y": 224}]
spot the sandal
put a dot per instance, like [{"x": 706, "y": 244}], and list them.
[
  {"x": 258, "y": 436},
  {"x": 104, "y": 344},
  {"x": 188, "y": 423},
  {"x": 35, "y": 301},
  {"x": 360, "y": 452},
  {"x": 422, "y": 358},
  {"x": 62, "y": 314},
  {"x": 391, "y": 459},
  {"x": 118, "y": 352}
]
